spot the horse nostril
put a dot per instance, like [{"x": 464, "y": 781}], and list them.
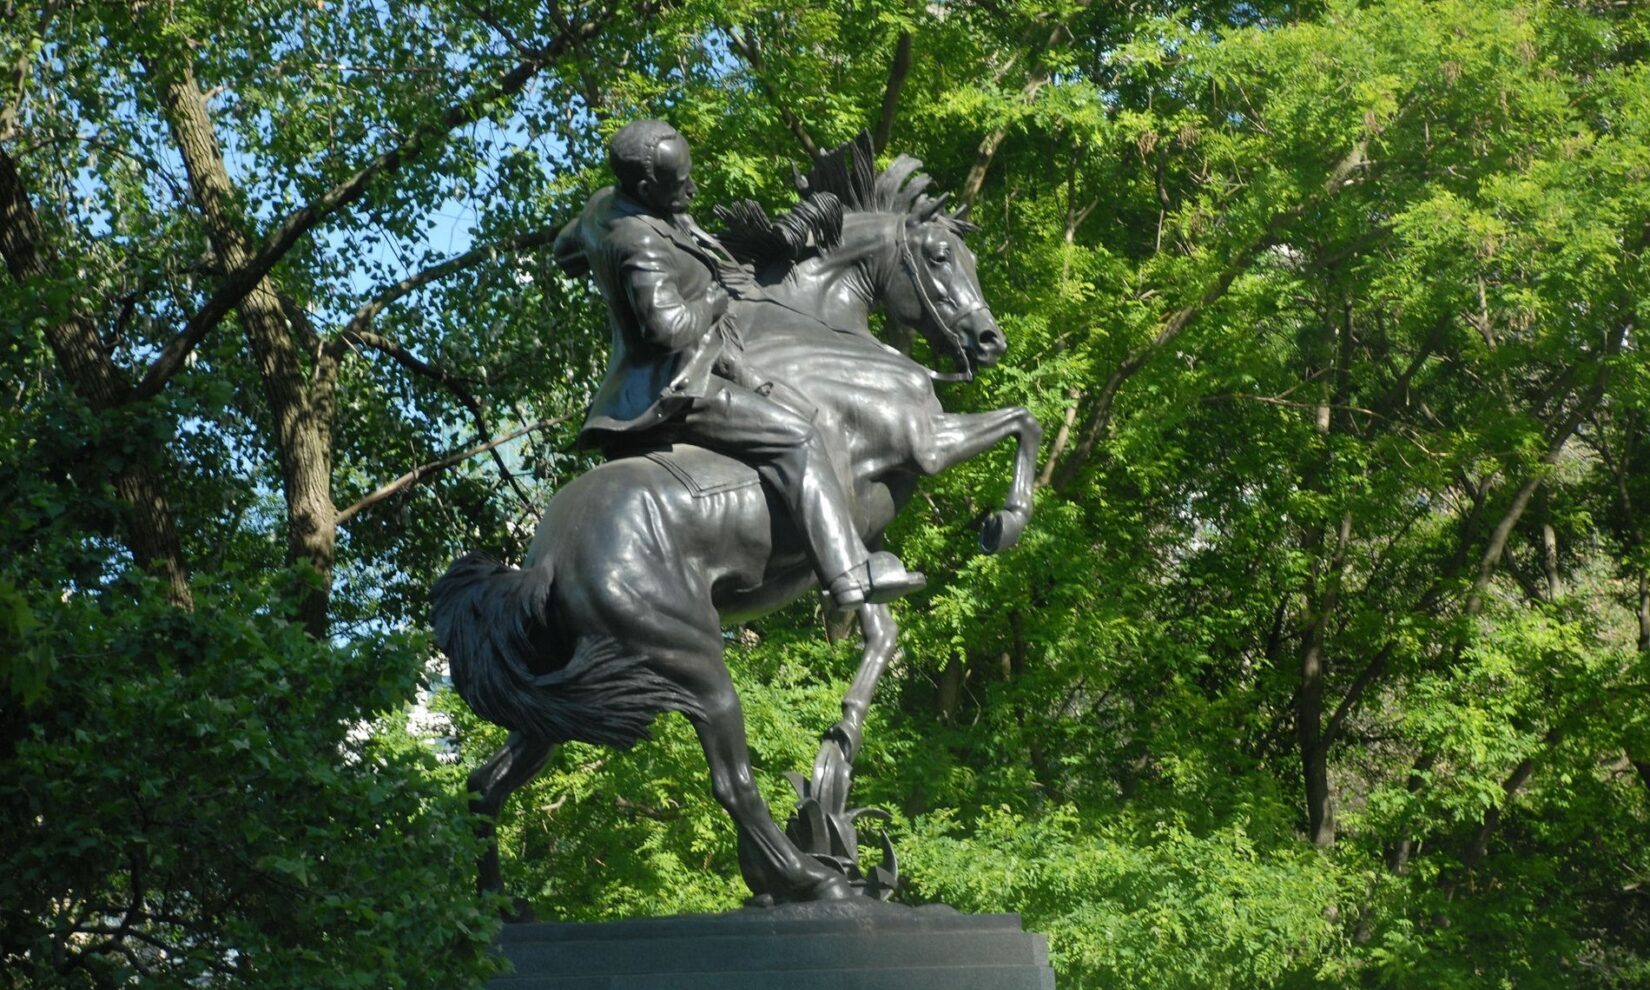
[{"x": 992, "y": 339}]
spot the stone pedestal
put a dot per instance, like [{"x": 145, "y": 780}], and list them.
[{"x": 854, "y": 945}]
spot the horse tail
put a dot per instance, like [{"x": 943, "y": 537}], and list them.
[{"x": 509, "y": 661}]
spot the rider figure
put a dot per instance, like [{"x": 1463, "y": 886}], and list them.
[{"x": 675, "y": 373}]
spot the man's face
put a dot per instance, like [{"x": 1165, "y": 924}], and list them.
[{"x": 671, "y": 189}]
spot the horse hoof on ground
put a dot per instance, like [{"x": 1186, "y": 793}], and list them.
[
  {"x": 1002, "y": 529},
  {"x": 831, "y": 888}
]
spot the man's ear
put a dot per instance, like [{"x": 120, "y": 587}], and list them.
[{"x": 644, "y": 190}]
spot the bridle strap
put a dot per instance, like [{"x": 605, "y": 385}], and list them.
[{"x": 931, "y": 310}]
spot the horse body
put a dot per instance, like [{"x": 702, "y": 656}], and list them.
[{"x": 631, "y": 575}]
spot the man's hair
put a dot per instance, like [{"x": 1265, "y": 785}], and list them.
[{"x": 632, "y": 150}]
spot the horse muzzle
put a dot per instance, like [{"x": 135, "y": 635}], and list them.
[{"x": 986, "y": 342}]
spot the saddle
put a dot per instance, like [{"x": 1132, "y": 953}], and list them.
[{"x": 704, "y": 472}]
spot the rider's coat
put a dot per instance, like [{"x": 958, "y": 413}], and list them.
[{"x": 654, "y": 277}]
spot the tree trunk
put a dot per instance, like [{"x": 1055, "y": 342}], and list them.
[
  {"x": 1480, "y": 844},
  {"x": 951, "y": 683},
  {"x": 302, "y": 417},
  {"x": 1398, "y": 853},
  {"x": 150, "y": 532},
  {"x": 1644, "y": 612},
  {"x": 1321, "y": 593},
  {"x": 890, "y": 94},
  {"x": 1641, "y": 761},
  {"x": 1549, "y": 562},
  {"x": 1320, "y": 801},
  {"x": 1309, "y": 703}
]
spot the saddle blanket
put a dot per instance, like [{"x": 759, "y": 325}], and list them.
[{"x": 702, "y": 472}]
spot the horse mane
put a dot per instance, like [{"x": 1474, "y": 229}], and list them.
[
  {"x": 849, "y": 173},
  {"x": 751, "y": 236},
  {"x": 843, "y": 179}
]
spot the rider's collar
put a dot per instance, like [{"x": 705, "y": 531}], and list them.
[{"x": 623, "y": 202}]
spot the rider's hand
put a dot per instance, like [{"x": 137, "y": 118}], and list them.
[{"x": 717, "y": 298}]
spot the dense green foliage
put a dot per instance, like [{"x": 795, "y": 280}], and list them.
[{"x": 1326, "y": 661}]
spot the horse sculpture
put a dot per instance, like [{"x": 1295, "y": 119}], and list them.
[{"x": 636, "y": 565}]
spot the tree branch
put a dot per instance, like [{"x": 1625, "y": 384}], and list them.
[
  {"x": 423, "y": 471},
  {"x": 298, "y": 223},
  {"x": 975, "y": 180},
  {"x": 1493, "y": 551},
  {"x": 1480, "y": 844},
  {"x": 751, "y": 51},
  {"x": 1037, "y": 78},
  {"x": 389, "y": 294},
  {"x": 12, "y": 107},
  {"x": 1370, "y": 674},
  {"x": 151, "y": 532},
  {"x": 457, "y": 385},
  {"x": 1074, "y": 398},
  {"x": 1099, "y": 418},
  {"x": 890, "y": 94},
  {"x": 1555, "y": 446}
]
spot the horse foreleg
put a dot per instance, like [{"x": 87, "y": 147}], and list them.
[
  {"x": 515, "y": 763},
  {"x": 834, "y": 765},
  {"x": 957, "y": 437},
  {"x": 880, "y": 632}
]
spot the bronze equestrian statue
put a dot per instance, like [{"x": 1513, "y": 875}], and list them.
[{"x": 753, "y": 417}]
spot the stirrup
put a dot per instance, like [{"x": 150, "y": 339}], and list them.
[{"x": 882, "y": 578}]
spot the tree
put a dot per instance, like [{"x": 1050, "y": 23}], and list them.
[
  {"x": 193, "y": 196},
  {"x": 1325, "y": 660}
]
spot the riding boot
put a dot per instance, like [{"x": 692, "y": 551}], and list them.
[{"x": 882, "y": 578}]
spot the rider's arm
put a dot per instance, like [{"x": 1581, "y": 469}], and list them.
[
  {"x": 667, "y": 319},
  {"x": 569, "y": 250}
]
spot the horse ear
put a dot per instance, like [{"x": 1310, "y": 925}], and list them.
[
  {"x": 930, "y": 207},
  {"x": 959, "y": 220},
  {"x": 799, "y": 180}
]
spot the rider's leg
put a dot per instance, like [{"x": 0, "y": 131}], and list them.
[{"x": 790, "y": 455}]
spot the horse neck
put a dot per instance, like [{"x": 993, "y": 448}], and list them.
[{"x": 845, "y": 283}]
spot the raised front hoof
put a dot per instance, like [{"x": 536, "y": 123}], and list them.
[{"x": 1002, "y": 529}]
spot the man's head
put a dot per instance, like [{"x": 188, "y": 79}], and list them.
[{"x": 653, "y": 165}]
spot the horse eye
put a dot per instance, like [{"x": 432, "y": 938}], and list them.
[{"x": 939, "y": 255}]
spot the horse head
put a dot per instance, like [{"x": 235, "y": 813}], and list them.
[
  {"x": 933, "y": 283},
  {"x": 938, "y": 290}
]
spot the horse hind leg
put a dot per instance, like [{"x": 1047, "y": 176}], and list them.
[
  {"x": 680, "y": 634},
  {"x": 772, "y": 866},
  {"x": 514, "y": 764}
]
